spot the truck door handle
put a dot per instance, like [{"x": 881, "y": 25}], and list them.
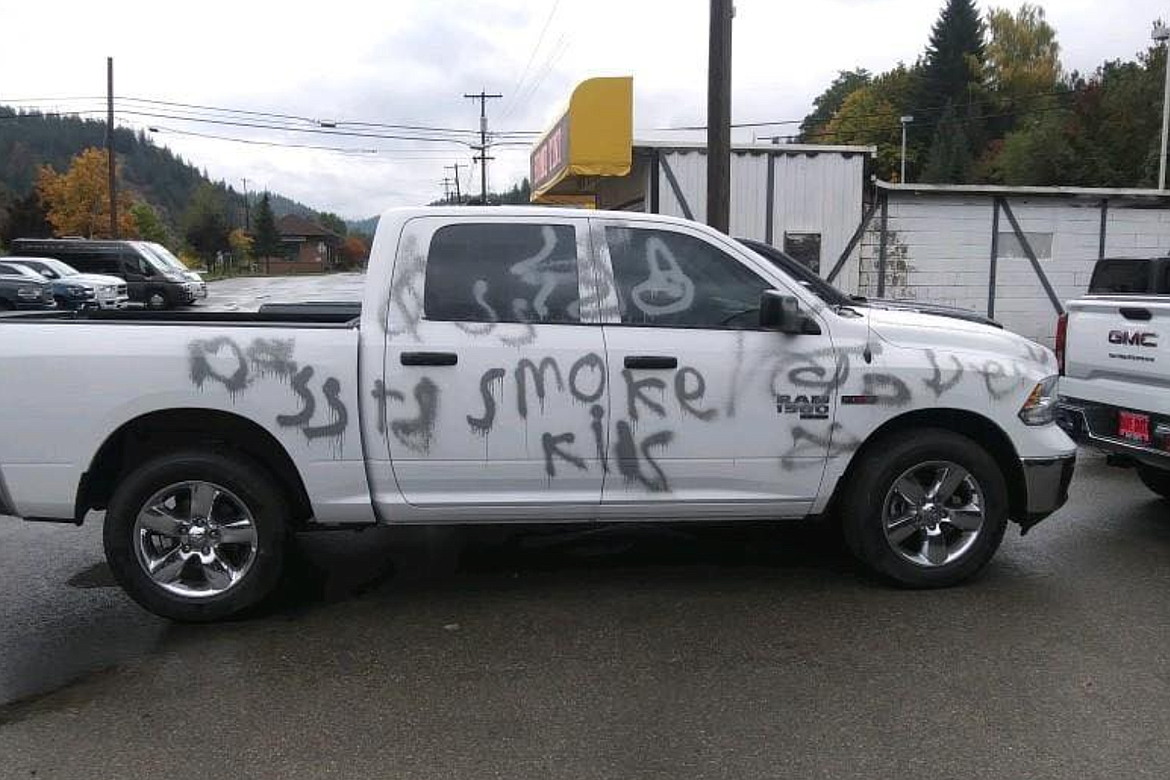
[
  {"x": 1136, "y": 313},
  {"x": 651, "y": 361},
  {"x": 428, "y": 358}
]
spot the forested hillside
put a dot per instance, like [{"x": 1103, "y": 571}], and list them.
[{"x": 152, "y": 173}]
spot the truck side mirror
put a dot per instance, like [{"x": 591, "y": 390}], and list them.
[{"x": 781, "y": 313}]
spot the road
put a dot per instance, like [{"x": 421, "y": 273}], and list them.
[
  {"x": 673, "y": 652},
  {"x": 641, "y": 652}
]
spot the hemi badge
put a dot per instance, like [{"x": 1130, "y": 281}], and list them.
[{"x": 859, "y": 400}]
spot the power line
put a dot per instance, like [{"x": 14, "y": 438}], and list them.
[
  {"x": 914, "y": 111},
  {"x": 539, "y": 40}
]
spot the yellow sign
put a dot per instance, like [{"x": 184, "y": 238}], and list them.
[{"x": 592, "y": 138}]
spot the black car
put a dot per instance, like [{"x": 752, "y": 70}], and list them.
[
  {"x": 834, "y": 297},
  {"x": 149, "y": 280},
  {"x": 21, "y": 288}
]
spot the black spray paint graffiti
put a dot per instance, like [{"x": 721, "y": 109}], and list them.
[
  {"x": 491, "y": 382},
  {"x": 937, "y": 383},
  {"x": 222, "y": 361},
  {"x": 630, "y": 454},
  {"x": 808, "y": 446},
  {"x": 417, "y": 433},
  {"x": 301, "y": 419}
]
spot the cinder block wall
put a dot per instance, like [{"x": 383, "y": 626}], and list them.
[{"x": 939, "y": 251}]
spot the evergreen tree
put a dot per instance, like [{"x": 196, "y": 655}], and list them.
[
  {"x": 27, "y": 218},
  {"x": 205, "y": 224},
  {"x": 949, "y": 161},
  {"x": 954, "y": 56},
  {"x": 267, "y": 237}
]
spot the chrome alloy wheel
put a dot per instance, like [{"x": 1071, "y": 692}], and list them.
[
  {"x": 933, "y": 513},
  {"x": 195, "y": 539}
]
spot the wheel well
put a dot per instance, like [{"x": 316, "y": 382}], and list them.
[
  {"x": 175, "y": 429},
  {"x": 966, "y": 423}
]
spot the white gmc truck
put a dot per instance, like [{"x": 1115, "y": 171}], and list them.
[
  {"x": 1113, "y": 351},
  {"x": 524, "y": 364}
]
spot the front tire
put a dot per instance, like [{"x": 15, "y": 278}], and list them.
[
  {"x": 1157, "y": 480},
  {"x": 197, "y": 536},
  {"x": 925, "y": 508},
  {"x": 156, "y": 300}
]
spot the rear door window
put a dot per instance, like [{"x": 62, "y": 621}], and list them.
[
  {"x": 1120, "y": 277},
  {"x": 502, "y": 272}
]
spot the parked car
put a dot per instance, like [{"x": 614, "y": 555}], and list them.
[
  {"x": 74, "y": 290},
  {"x": 1114, "y": 355},
  {"x": 518, "y": 364},
  {"x": 830, "y": 294},
  {"x": 148, "y": 279},
  {"x": 21, "y": 288},
  {"x": 194, "y": 279}
]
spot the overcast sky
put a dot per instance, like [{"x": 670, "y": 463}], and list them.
[{"x": 410, "y": 61}]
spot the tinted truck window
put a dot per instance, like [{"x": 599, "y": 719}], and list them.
[
  {"x": 673, "y": 280},
  {"x": 502, "y": 273},
  {"x": 1114, "y": 277}
]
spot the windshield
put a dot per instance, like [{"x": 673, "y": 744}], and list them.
[
  {"x": 163, "y": 254},
  {"x": 798, "y": 271},
  {"x": 12, "y": 269},
  {"x": 58, "y": 267}
]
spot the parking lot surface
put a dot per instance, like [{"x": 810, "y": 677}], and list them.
[
  {"x": 247, "y": 293},
  {"x": 640, "y": 651},
  {"x": 748, "y": 651}
]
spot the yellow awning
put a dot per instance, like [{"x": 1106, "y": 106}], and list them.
[{"x": 594, "y": 137}]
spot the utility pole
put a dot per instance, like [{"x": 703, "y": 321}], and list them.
[
  {"x": 456, "y": 167},
  {"x": 110, "y": 147},
  {"x": 719, "y": 116},
  {"x": 483, "y": 98},
  {"x": 1160, "y": 35},
  {"x": 446, "y": 182},
  {"x": 247, "y": 209},
  {"x": 905, "y": 121}
]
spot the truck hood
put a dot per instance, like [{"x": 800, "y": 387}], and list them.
[
  {"x": 100, "y": 280},
  {"x": 919, "y": 330}
]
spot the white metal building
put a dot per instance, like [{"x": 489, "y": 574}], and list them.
[
  {"x": 806, "y": 199},
  {"x": 969, "y": 246}
]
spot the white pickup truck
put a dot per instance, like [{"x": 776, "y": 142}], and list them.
[
  {"x": 1114, "y": 352},
  {"x": 524, "y": 364}
]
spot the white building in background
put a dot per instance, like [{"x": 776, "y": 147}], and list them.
[{"x": 957, "y": 245}]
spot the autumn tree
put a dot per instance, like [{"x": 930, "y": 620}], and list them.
[
  {"x": 828, "y": 103},
  {"x": 77, "y": 202},
  {"x": 241, "y": 244},
  {"x": 266, "y": 237},
  {"x": 354, "y": 252},
  {"x": 1022, "y": 57},
  {"x": 871, "y": 115}
]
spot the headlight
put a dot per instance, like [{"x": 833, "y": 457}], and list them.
[{"x": 1040, "y": 408}]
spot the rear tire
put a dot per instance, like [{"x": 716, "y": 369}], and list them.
[
  {"x": 212, "y": 528},
  {"x": 1157, "y": 480},
  {"x": 925, "y": 508},
  {"x": 157, "y": 301}
]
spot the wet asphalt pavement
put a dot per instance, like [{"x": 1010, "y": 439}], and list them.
[
  {"x": 672, "y": 652},
  {"x": 749, "y": 651}
]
